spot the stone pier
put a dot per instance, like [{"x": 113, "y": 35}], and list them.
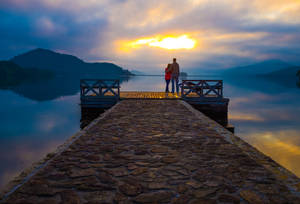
[{"x": 156, "y": 151}]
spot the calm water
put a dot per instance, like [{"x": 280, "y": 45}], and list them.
[{"x": 264, "y": 113}]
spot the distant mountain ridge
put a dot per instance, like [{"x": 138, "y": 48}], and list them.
[
  {"x": 270, "y": 72},
  {"x": 66, "y": 64},
  {"x": 136, "y": 72},
  {"x": 258, "y": 68}
]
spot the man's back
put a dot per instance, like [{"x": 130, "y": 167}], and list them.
[{"x": 175, "y": 69}]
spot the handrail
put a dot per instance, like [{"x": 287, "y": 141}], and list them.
[
  {"x": 93, "y": 88},
  {"x": 202, "y": 88}
]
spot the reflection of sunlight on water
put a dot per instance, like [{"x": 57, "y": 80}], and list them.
[
  {"x": 268, "y": 120},
  {"x": 280, "y": 146},
  {"x": 244, "y": 116}
]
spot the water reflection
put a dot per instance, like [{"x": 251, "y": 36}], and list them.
[
  {"x": 283, "y": 146},
  {"x": 29, "y": 130},
  {"x": 268, "y": 120},
  {"x": 55, "y": 88},
  {"x": 21, "y": 155},
  {"x": 34, "y": 123}
]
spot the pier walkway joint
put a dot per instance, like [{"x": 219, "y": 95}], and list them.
[{"x": 155, "y": 151}]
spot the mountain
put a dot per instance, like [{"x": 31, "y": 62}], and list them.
[
  {"x": 135, "y": 72},
  {"x": 12, "y": 74},
  {"x": 27, "y": 74},
  {"x": 66, "y": 64},
  {"x": 259, "y": 68},
  {"x": 272, "y": 76}
]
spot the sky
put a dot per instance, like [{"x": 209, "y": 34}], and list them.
[{"x": 145, "y": 35}]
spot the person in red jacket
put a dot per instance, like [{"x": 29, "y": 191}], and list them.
[{"x": 168, "y": 74}]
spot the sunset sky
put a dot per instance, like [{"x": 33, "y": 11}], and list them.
[{"x": 146, "y": 34}]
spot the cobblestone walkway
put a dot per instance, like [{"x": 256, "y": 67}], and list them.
[{"x": 153, "y": 152}]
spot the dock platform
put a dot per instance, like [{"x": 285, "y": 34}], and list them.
[
  {"x": 103, "y": 93},
  {"x": 156, "y": 151},
  {"x": 97, "y": 95}
]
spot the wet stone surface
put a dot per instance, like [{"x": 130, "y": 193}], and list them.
[{"x": 152, "y": 152}]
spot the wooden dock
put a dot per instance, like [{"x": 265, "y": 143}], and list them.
[
  {"x": 155, "y": 151},
  {"x": 97, "y": 95}
]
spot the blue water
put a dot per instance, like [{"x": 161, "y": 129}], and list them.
[{"x": 264, "y": 113}]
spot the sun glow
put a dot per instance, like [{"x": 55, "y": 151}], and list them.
[{"x": 166, "y": 42}]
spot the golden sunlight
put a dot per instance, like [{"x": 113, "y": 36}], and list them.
[{"x": 166, "y": 42}]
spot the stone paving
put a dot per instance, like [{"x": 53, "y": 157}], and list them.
[{"x": 155, "y": 151}]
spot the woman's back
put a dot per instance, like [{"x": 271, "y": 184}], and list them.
[{"x": 168, "y": 72}]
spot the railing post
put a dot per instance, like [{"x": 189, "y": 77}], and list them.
[
  {"x": 118, "y": 83},
  {"x": 222, "y": 88},
  {"x": 182, "y": 88},
  {"x": 201, "y": 88}
]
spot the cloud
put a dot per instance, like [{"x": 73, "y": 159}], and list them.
[
  {"x": 236, "y": 30},
  {"x": 25, "y": 30},
  {"x": 46, "y": 27}
]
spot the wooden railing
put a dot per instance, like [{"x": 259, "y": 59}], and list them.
[
  {"x": 203, "y": 89},
  {"x": 99, "y": 88}
]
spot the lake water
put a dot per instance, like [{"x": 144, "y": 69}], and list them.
[{"x": 33, "y": 123}]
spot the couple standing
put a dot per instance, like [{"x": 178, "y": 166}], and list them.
[{"x": 172, "y": 73}]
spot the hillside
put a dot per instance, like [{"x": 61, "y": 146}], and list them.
[
  {"x": 136, "y": 72},
  {"x": 66, "y": 64},
  {"x": 13, "y": 75},
  {"x": 259, "y": 68}
]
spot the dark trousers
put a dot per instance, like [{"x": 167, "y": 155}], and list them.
[
  {"x": 167, "y": 85},
  {"x": 175, "y": 83}
]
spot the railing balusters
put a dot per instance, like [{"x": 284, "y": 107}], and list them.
[
  {"x": 99, "y": 88},
  {"x": 202, "y": 89}
]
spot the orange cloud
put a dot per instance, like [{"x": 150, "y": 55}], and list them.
[{"x": 277, "y": 10}]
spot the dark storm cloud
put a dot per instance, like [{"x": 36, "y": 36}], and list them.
[{"x": 22, "y": 30}]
